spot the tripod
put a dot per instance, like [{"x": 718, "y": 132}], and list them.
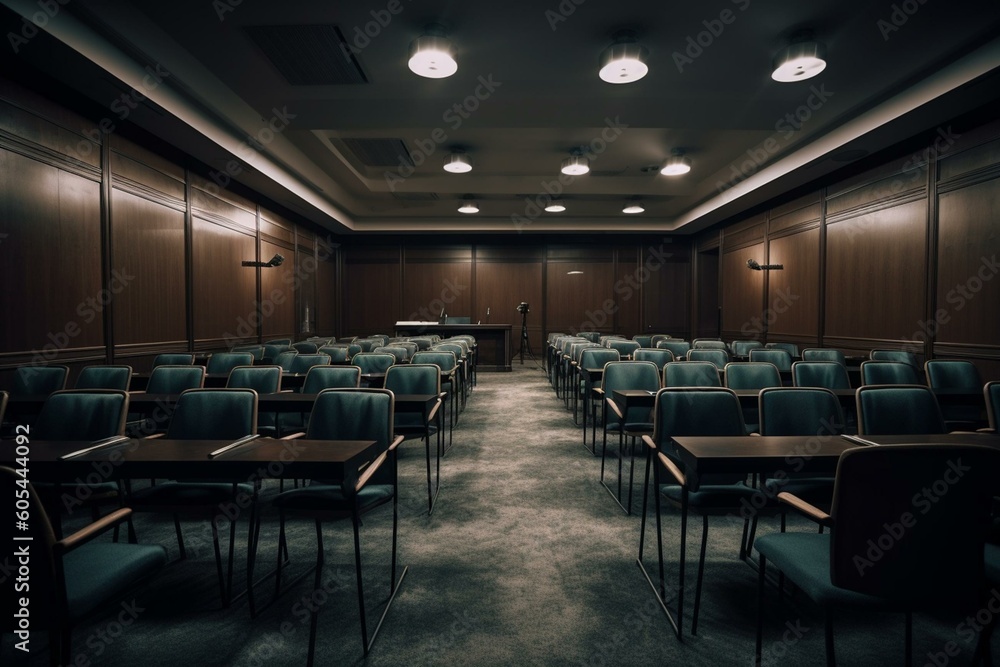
[{"x": 525, "y": 343}]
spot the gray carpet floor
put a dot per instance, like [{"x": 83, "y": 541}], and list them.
[{"x": 526, "y": 560}]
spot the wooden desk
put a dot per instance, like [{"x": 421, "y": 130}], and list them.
[{"x": 493, "y": 341}]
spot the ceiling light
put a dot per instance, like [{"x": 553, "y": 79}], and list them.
[
  {"x": 798, "y": 61},
  {"x": 468, "y": 206},
  {"x": 458, "y": 163},
  {"x": 575, "y": 165},
  {"x": 624, "y": 61},
  {"x": 431, "y": 55},
  {"x": 677, "y": 164},
  {"x": 555, "y": 207},
  {"x": 633, "y": 207}
]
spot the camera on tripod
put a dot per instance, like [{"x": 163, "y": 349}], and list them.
[{"x": 523, "y": 308}]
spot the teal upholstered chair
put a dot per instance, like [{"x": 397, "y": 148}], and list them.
[
  {"x": 205, "y": 414},
  {"x": 173, "y": 359},
  {"x": 425, "y": 379},
  {"x": 713, "y": 355},
  {"x": 888, "y": 372},
  {"x": 253, "y": 348},
  {"x": 823, "y": 354},
  {"x": 691, "y": 374},
  {"x": 779, "y": 357},
  {"x": 591, "y": 336},
  {"x": 81, "y": 414},
  {"x": 39, "y": 380},
  {"x": 709, "y": 344},
  {"x": 679, "y": 348},
  {"x": 826, "y": 374},
  {"x": 368, "y": 344},
  {"x": 749, "y": 375},
  {"x": 625, "y": 347},
  {"x": 570, "y": 363},
  {"x": 898, "y": 410},
  {"x": 373, "y": 363},
  {"x": 926, "y": 555},
  {"x": 956, "y": 374},
  {"x": 791, "y": 348},
  {"x": 220, "y": 363},
  {"x": 104, "y": 377},
  {"x": 644, "y": 340},
  {"x": 901, "y": 356},
  {"x": 447, "y": 363},
  {"x": 593, "y": 357},
  {"x": 642, "y": 375},
  {"x": 71, "y": 577},
  {"x": 303, "y": 362},
  {"x": 991, "y": 391},
  {"x": 339, "y": 354},
  {"x": 462, "y": 375},
  {"x": 344, "y": 414},
  {"x": 175, "y": 379},
  {"x": 272, "y": 350},
  {"x": 399, "y": 353},
  {"x": 263, "y": 379},
  {"x": 656, "y": 338},
  {"x": 306, "y": 347},
  {"x": 690, "y": 411},
  {"x": 660, "y": 357},
  {"x": 741, "y": 348},
  {"x": 285, "y": 359}
]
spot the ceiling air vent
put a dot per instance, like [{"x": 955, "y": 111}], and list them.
[
  {"x": 308, "y": 55},
  {"x": 379, "y": 152}
]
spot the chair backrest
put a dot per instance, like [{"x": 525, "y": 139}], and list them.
[
  {"x": 319, "y": 378},
  {"x": 373, "y": 362},
  {"x": 175, "y": 379},
  {"x": 715, "y": 356},
  {"x": 902, "y": 356},
  {"x": 800, "y": 411},
  {"x": 827, "y": 374},
  {"x": 888, "y": 372},
  {"x": 256, "y": 350},
  {"x": 625, "y": 347},
  {"x": 630, "y": 375},
  {"x": 444, "y": 360},
  {"x": 656, "y": 338},
  {"x": 592, "y": 336},
  {"x": 691, "y": 374},
  {"x": 339, "y": 354},
  {"x": 898, "y": 410},
  {"x": 75, "y": 414},
  {"x": 752, "y": 375},
  {"x": 697, "y": 411},
  {"x": 399, "y": 352},
  {"x": 306, "y": 347},
  {"x": 303, "y": 362},
  {"x": 220, "y": 363},
  {"x": 780, "y": 358},
  {"x": 741, "y": 348},
  {"x": 413, "y": 379},
  {"x": 173, "y": 359},
  {"x": 454, "y": 348},
  {"x": 657, "y": 356},
  {"x": 379, "y": 337},
  {"x": 104, "y": 377},
  {"x": 39, "y": 380},
  {"x": 353, "y": 414},
  {"x": 823, "y": 354},
  {"x": 706, "y": 344},
  {"x": 644, "y": 340},
  {"x": 271, "y": 351},
  {"x": 262, "y": 379},
  {"x": 285, "y": 359},
  {"x": 952, "y": 374},
  {"x": 422, "y": 343},
  {"x": 214, "y": 414},
  {"x": 576, "y": 350},
  {"x": 368, "y": 344},
  {"x": 791, "y": 348},
  {"x": 680, "y": 348},
  {"x": 596, "y": 357},
  {"x": 278, "y": 341},
  {"x": 991, "y": 391},
  {"x": 912, "y": 509}
]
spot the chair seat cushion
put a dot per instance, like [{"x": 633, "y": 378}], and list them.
[
  {"x": 710, "y": 496},
  {"x": 320, "y": 497},
  {"x": 101, "y": 571},
  {"x": 805, "y": 560},
  {"x": 187, "y": 493}
]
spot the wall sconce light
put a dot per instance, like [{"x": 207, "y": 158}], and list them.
[
  {"x": 752, "y": 263},
  {"x": 277, "y": 260}
]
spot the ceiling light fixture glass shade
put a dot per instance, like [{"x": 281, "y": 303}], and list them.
[
  {"x": 799, "y": 61},
  {"x": 677, "y": 164},
  {"x": 468, "y": 206},
  {"x": 555, "y": 207},
  {"x": 633, "y": 207},
  {"x": 624, "y": 61},
  {"x": 458, "y": 163},
  {"x": 575, "y": 165},
  {"x": 431, "y": 56}
]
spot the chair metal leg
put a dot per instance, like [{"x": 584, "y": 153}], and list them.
[
  {"x": 831, "y": 659},
  {"x": 218, "y": 565},
  {"x": 361, "y": 588},
  {"x": 761, "y": 568},
  {"x": 314, "y": 616},
  {"x": 180, "y": 537},
  {"x": 659, "y": 591},
  {"x": 281, "y": 543},
  {"x": 701, "y": 573}
]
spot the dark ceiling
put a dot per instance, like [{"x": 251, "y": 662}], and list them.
[{"x": 357, "y": 143}]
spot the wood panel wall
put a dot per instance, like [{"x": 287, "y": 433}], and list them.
[
  {"x": 112, "y": 252},
  {"x": 900, "y": 254}
]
